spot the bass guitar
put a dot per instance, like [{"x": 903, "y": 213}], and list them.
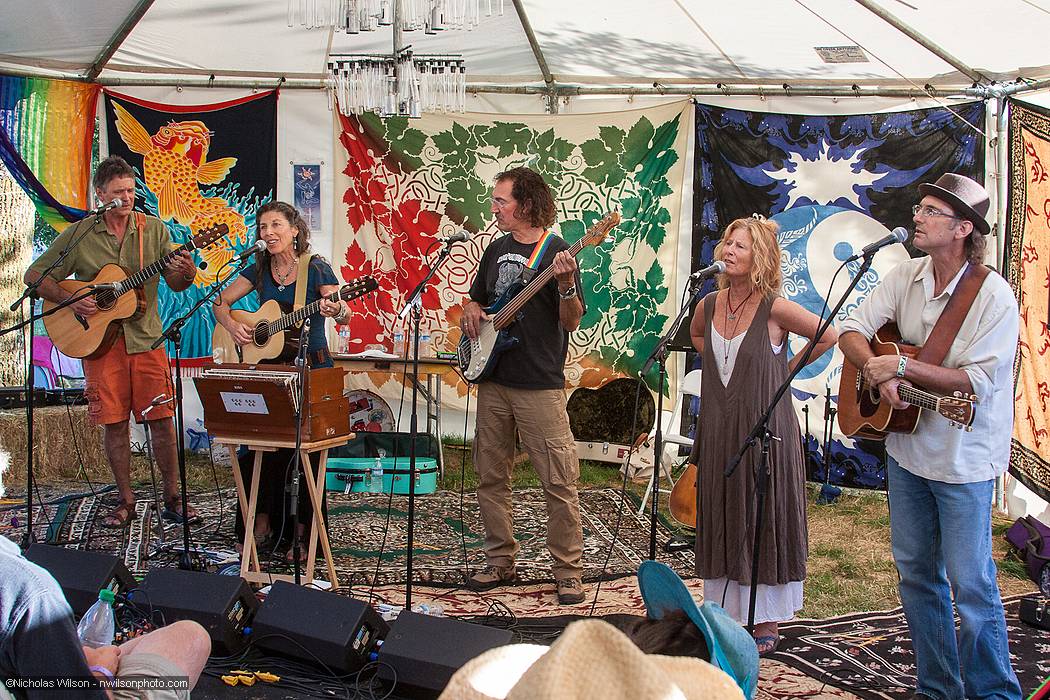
[
  {"x": 275, "y": 335},
  {"x": 91, "y": 336},
  {"x": 478, "y": 357},
  {"x": 862, "y": 413}
]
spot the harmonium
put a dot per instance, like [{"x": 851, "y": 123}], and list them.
[{"x": 262, "y": 401}]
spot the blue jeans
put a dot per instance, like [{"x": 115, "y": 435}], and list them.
[{"x": 942, "y": 534}]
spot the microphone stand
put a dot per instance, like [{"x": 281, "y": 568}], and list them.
[
  {"x": 761, "y": 432},
  {"x": 659, "y": 354},
  {"x": 414, "y": 304},
  {"x": 30, "y": 293},
  {"x": 174, "y": 333},
  {"x": 293, "y": 508}
]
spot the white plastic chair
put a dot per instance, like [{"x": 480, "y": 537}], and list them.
[{"x": 672, "y": 433}]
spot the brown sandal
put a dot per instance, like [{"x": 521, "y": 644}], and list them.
[
  {"x": 120, "y": 517},
  {"x": 172, "y": 511}
]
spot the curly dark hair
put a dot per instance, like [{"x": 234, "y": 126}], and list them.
[
  {"x": 535, "y": 201},
  {"x": 302, "y": 234},
  {"x": 110, "y": 168}
]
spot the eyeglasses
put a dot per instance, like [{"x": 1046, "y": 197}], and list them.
[{"x": 928, "y": 212}]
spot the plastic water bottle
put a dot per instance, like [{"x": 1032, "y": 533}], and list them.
[
  {"x": 424, "y": 345},
  {"x": 96, "y": 628},
  {"x": 344, "y": 338},
  {"x": 375, "y": 481},
  {"x": 399, "y": 344}
]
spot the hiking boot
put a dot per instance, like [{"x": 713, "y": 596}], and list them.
[
  {"x": 570, "y": 591},
  {"x": 492, "y": 576}
]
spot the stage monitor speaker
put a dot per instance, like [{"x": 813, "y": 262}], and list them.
[
  {"x": 315, "y": 625},
  {"x": 422, "y": 652},
  {"x": 82, "y": 574},
  {"x": 223, "y": 605}
]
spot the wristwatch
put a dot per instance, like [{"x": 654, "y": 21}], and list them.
[{"x": 568, "y": 293}]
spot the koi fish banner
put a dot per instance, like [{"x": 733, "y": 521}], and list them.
[
  {"x": 833, "y": 184},
  {"x": 1027, "y": 259},
  {"x": 198, "y": 167},
  {"x": 403, "y": 184}
]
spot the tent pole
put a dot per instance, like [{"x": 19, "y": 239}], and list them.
[
  {"x": 1002, "y": 184},
  {"x": 118, "y": 38},
  {"x": 918, "y": 38},
  {"x": 541, "y": 61}
]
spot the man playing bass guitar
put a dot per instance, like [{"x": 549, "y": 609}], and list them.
[
  {"x": 126, "y": 377},
  {"x": 525, "y": 390}
]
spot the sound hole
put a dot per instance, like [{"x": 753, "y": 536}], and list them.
[
  {"x": 105, "y": 299},
  {"x": 260, "y": 336}
]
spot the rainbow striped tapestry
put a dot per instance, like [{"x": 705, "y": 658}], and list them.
[{"x": 46, "y": 129}]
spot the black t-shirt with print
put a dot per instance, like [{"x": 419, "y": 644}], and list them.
[{"x": 538, "y": 359}]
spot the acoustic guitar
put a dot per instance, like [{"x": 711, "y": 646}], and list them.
[
  {"x": 682, "y": 501},
  {"x": 121, "y": 298},
  {"x": 275, "y": 328},
  {"x": 478, "y": 357},
  {"x": 862, "y": 413}
]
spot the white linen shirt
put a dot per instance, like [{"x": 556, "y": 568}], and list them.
[{"x": 984, "y": 349}]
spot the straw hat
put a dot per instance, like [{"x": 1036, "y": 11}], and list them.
[
  {"x": 591, "y": 659},
  {"x": 968, "y": 199}
]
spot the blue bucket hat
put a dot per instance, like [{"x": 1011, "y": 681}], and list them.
[{"x": 732, "y": 649}]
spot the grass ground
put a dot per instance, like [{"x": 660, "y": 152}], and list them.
[{"x": 850, "y": 566}]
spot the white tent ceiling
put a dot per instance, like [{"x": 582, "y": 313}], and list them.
[{"x": 589, "y": 43}]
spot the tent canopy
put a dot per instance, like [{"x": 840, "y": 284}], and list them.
[{"x": 591, "y": 43}]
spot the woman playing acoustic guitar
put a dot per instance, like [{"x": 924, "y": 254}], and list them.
[
  {"x": 741, "y": 332},
  {"x": 274, "y": 276}
]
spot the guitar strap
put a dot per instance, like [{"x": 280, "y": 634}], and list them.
[
  {"x": 947, "y": 327},
  {"x": 300, "y": 286},
  {"x": 140, "y": 229}
]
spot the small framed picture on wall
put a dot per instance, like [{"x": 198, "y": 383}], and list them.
[{"x": 306, "y": 180}]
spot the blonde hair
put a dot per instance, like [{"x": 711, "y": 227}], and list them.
[{"x": 765, "y": 255}]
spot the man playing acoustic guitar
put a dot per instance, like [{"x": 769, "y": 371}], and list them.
[
  {"x": 526, "y": 390},
  {"x": 126, "y": 377},
  {"x": 940, "y": 478}
]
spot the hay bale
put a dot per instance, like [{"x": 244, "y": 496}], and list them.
[{"x": 55, "y": 444}]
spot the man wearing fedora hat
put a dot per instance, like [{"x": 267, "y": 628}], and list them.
[{"x": 940, "y": 478}]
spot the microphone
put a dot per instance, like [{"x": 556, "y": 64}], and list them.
[
  {"x": 897, "y": 235},
  {"x": 457, "y": 237},
  {"x": 260, "y": 246},
  {"x": 715, "y": 268},
  {"x": 116, "y": 203}
]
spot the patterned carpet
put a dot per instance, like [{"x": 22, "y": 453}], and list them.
[
  {"x": 870, "y": 654},
  {"x": 863, "y": 655},
  {"x": 368, "y": 533}
]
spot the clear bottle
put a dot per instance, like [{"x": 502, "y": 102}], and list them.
[
  {"x": 399, "y": 344},
  {"x": 424, "y": 345},
  {"x": 375, "y": 476},
  {"x": 96, "y": 628}
]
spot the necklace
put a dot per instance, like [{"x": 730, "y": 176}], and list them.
[
  {"x": 283, "y": 277},
  {"x": 730, "y": 335},
  {"x": 731, "y": 313}
]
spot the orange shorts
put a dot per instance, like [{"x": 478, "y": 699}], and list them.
[{"x": 119, "y": 385}]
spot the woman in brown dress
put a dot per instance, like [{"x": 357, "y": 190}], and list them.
[{"x": 741, "y": 332}]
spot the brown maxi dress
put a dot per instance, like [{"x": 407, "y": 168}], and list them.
[{"x": 726, "y": 515}]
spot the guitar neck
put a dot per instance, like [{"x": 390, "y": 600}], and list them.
[
  {"x": 504, "y": 316},
  {"x": 145, "y": 274},
  {"x": 296, "y": 317},
  {"x": 918, "y": 397}
]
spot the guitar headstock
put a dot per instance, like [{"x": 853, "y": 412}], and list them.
[
  {"x": 208, "y": 236},
  {"x": 597, "y": 232},
  {"x": 958, "y": 408},
  {"x": 357, "y": 288}
]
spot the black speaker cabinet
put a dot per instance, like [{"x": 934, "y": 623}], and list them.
[
  {"x": 314, "y": 625},
  {"x": 82, "y": 574},
  {"x": 425, "y": 651},
  {"x": 224, "y": 605}
]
